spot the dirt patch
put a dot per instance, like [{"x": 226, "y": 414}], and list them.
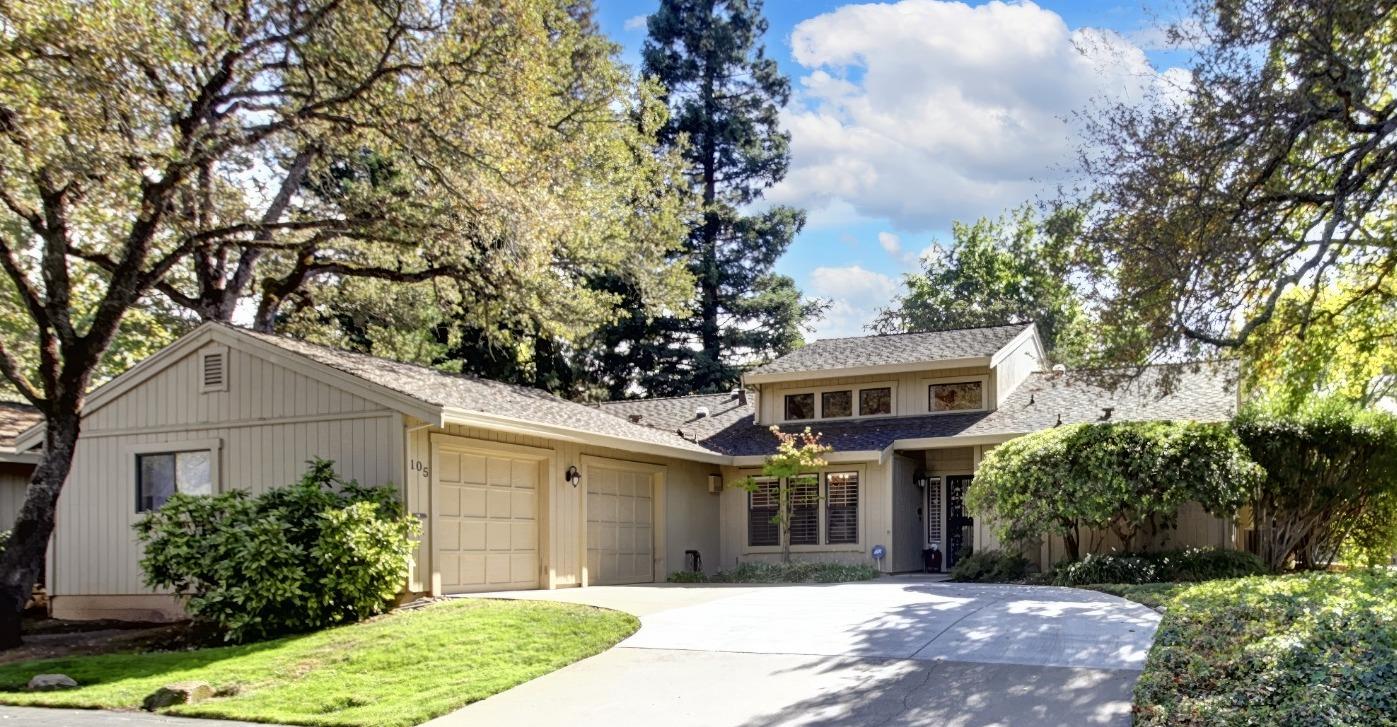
[{"x": 52, "y": 638}]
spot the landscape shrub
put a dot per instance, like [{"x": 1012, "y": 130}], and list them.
[
  {"x": 1170, "y": 566},
  {"x": 298, "y": 558},
  {"x": 991, "y": 566},
  {"x": 687, "y": 576},
  {"x": 1128, "y": 478},
  {"x": 1307, "y": 649},
  {"x": 796, "y": 573},
  {"x": 1330, "y": 476}
]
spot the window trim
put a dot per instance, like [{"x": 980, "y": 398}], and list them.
[
  {"x": 985, "y": 394},
  {"x": 822, "y": 546},
  {"x": 853, "y": 389},
  {"x": 132, "y": 453}
]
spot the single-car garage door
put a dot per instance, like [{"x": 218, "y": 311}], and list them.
[
  {"x": 620, "y": 525},
  {"x": 485, "y": 531}
]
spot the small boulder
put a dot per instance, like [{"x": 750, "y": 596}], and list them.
[
  {"x": 51, "y": 682},
  {"x": 179, "y": 693}
]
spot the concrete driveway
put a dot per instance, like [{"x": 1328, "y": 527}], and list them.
[{"x": 892, "y": 651}]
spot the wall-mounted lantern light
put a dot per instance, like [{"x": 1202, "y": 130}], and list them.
[{"x": 573, "y": 476}]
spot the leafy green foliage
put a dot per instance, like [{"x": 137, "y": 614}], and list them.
[
  {"x": 724, "y": 97},
  {"x": 795, "y": 454},
  {"x": 756, "y": 572},
  {"x": 1317, "y": 648},
  {"x": 990, "y": 566},
  {"x": 999, "y": 271},
  {"x": 1154, "y": 595},
  {"x": 298, "y": 558},
  {"x": 1126, "y": 478},
  {"x": 399, "y": 670},
  {"x": 1170, "y": 566},
  {"x": 686, "y": 576},
  {"x": 1330, "y": 468}
]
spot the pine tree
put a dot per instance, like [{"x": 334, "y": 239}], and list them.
[{"x": 724, "y": 96}]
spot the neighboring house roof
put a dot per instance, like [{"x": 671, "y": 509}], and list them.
[
  {"x": 680, "y": 413},
  {"x": 15, "y": 418},
  {"x": 840, "y": 356},
  {"x": 1197, "y": 392}
]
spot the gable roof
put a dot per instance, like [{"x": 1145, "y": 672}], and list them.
[
  {"x": 15, "y": 418},
  {"x": 891, "y": 352},
  {"x": 1194, "y": 392},
  {"x": 479, "y": 401},
  {"x": 680, "y": 413}
]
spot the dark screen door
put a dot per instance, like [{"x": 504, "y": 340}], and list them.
[{"x": 960, "y": 527}]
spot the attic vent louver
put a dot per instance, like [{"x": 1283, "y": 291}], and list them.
[{"x": 213, "y": 371}]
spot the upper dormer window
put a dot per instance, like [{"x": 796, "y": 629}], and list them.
[
  {"x": 836, "y": 404},
  {"x": 953, "y": 396},
  {"x": 875, "y": 402},
  {"x": 839, "y": 402},
  {"x": 800, "y": 406}
]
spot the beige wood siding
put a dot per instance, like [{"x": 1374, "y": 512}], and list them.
[
  {"x": 910, "y": 397},
  {"x": 267, "y": 425},
  {"x": 690, "y": 513},
  {"x": 1014, "y": 368},
  {"x": 14, "y": 482}
]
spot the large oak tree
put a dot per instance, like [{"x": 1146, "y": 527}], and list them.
[{"x": 221, "y": 151}]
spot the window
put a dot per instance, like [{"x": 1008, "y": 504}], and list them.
[
  {"x": 875, "y": 402},
  {"x": 958, "y": 396},
  {"x": 841, "y": 507},
  {"x": 158, "y": 476},
  {"x": 836, "y": 404},
  {"x": 805, "y": 509},
  {"x": 800, "y": 406},
  {"x": 762, "y": 504}
]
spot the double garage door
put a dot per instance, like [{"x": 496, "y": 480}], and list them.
[{"x": 487, "y": 520}]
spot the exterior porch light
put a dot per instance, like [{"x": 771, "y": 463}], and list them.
[{"x": 573, "y": 476}]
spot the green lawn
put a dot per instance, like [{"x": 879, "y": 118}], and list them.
[
  {"x": 400, "y": 669},
  {"x": 1306, "y": 649}
]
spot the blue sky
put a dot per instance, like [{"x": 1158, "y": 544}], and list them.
[{"x": 909, "y": 115}]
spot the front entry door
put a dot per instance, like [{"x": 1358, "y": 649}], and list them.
[{"x": 960, "y": 527}]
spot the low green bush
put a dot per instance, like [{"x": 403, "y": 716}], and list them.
[
  {"x": 796, "y": 573},
  {"x": 292, "y": 559},
  {"x": 1171, "y": 566},
  {"x": 1310, "y": 649},
  {"x": 991, "y": 566},
  {"x": 687, "y": 576}
]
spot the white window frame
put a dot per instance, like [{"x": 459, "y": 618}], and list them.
[
  {"x": 985, "y": 394},
  {"x": 206, "y": 351},
  {"x": 822, "y": 522},
  {"x": 132, "y": 453},
  {"x": 853, "y": 389}
]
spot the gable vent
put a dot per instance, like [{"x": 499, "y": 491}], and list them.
[{"x": 213, "y": 371}]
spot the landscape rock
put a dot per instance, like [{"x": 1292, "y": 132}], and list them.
[
  {"x": 51, "y": 682},
  {"x": 179, "y": 693}
]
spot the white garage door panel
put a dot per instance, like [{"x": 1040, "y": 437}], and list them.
[
  {"x": 486, "y": 528},
  {"x": 620, "y": 531}
]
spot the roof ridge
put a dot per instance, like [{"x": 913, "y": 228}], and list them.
[
  {"x": 1125, "y": 367},
  {"x": 920, "y": 333},
  {"x": 661, "y": 398}
]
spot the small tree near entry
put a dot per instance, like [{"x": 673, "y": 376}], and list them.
[
  {"x": 1331, "y": 472},
  {"x": 1128, "y": 479},
  {"x": 796, "y": 454}
]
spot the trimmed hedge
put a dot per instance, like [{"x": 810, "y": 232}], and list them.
[
  {"x": 782, "y": 573},
  {"x": 1171, "y": 566},
  {"x": 1311, "y": 649},
  {"x": 990, "y": 566}
]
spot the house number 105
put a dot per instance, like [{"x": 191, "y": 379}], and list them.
[{"x": 418, "y": 466}]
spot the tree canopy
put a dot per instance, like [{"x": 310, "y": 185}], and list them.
[
  {"x": 1268, "y": 176},
  {"x": 1014, "y": 269}
]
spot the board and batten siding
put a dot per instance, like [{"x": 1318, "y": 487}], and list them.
[
  {"x": 14, "y": 483},
  {"x": 267, "y": 425},
  {"x": 691, "y": 514}
]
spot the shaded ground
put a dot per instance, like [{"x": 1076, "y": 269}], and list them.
[
  {"x": 53, "y": 638},
  {"x": 894, "y": 651}
]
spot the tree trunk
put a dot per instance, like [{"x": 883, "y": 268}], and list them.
[
  {"x": 1070, "y": 543},
  {"x": 24, "y": 555}
]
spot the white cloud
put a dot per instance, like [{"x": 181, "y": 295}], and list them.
[
  {"x": 855, "y": 295},
  {"x": 892, "y": 244},
  {"x": 636, "y": 22},
  {"x": 923, "y": 111}
]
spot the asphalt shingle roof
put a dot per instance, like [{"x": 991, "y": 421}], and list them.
[
  {"x": 475, "y": 394},
  {"x": 14, "y": 419},
  {"x": 894, "y": 349},
  {"x": 1179, "y": 392}
]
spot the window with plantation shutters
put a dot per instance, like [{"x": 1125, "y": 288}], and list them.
[
  {"x": 841, "y": 508},
  {"x": 805, "y": 509},
  {"x": 762, "y": 504}
]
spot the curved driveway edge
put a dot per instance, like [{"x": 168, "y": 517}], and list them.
[{"x": 892, "y": 651}]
